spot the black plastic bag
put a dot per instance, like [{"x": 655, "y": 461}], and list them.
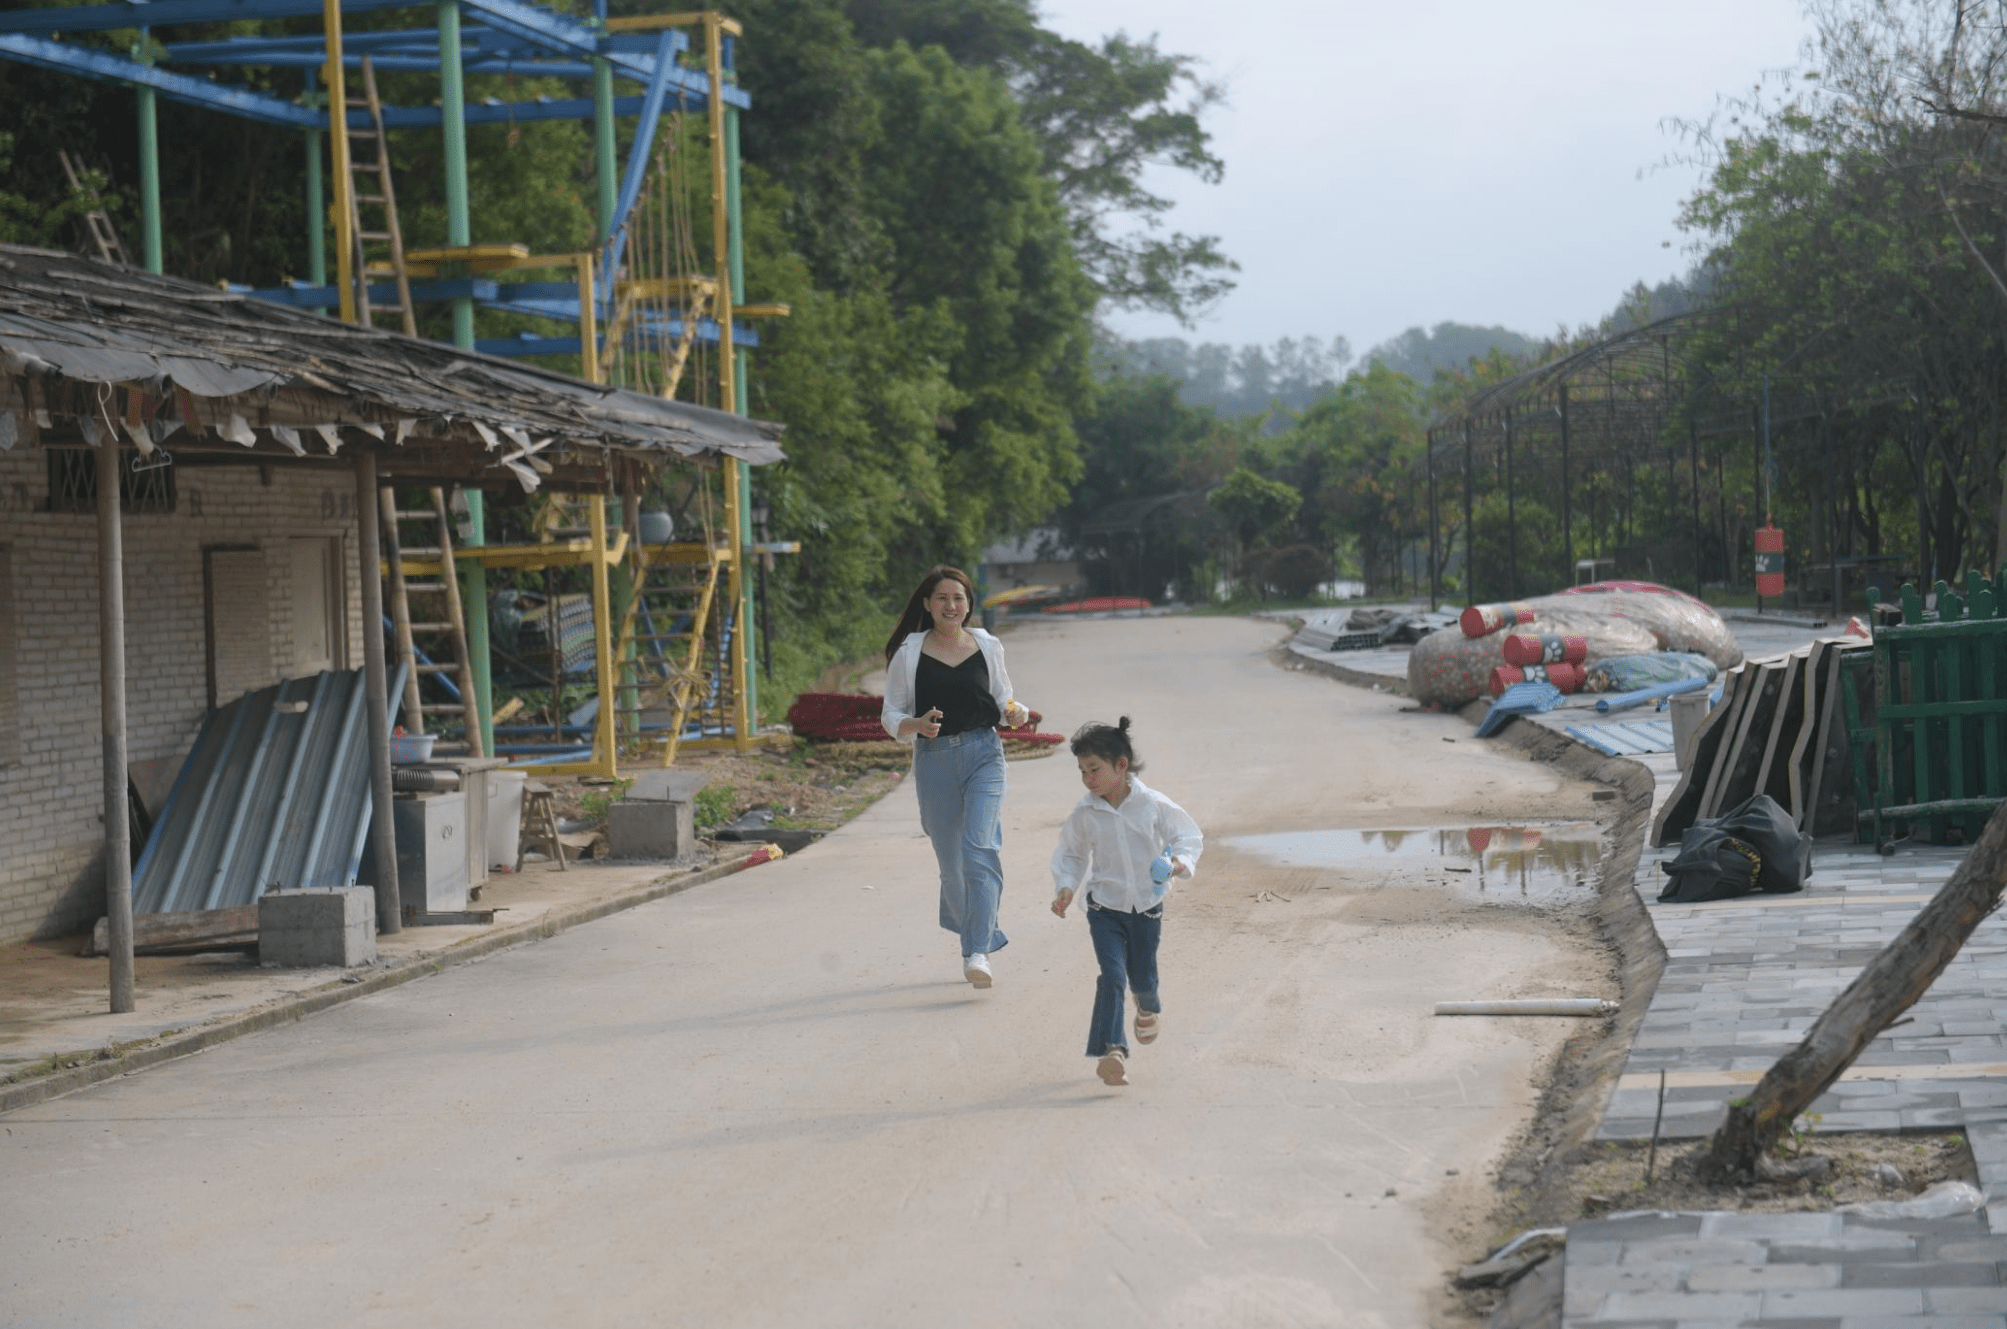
[
  {"x": 1765, "y": 827},
  {"x": 1711, "y": 865},
  {"x": 1754, "y": 846}
]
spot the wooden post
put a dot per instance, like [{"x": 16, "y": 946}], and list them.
[
  {"x": 111, "y": 711},
  {"x": 382, "y": 831}
]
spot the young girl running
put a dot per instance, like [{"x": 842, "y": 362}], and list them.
[{"x": 1123, "y": 841}]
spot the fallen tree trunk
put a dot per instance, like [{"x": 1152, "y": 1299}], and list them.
[{"x": 1890, "y": 985}]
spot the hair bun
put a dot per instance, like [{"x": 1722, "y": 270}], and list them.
[{"x": 1123, "y": 724}]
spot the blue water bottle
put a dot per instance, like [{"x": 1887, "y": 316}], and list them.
[{"x": 1160, "y": 870}]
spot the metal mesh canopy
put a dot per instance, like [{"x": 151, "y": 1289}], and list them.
[
  {"x": 1645, "y": 365},
  {"x": 1618, "y": 444}
]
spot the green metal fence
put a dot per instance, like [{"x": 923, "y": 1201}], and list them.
[{"x": 1937, "y": 740}]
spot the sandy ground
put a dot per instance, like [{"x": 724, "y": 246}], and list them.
[{"x": 772, "y": 1101}]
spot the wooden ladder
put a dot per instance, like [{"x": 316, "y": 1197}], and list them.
[
  {"x": 96, "y": 221},
  {"x": 384, "y": 197},
  {"x": 441, "y": 636}
]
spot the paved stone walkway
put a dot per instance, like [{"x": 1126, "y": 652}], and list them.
[{"x": 1743, "y": 981}]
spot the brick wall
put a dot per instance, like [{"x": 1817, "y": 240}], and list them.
[{"x": 51, "y": 791}]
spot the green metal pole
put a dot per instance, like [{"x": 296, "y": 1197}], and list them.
[
  {"x": 453, "y": 108},
  {"x": 453, "y": 111},
  {"x": 736, "y": 264},
  {"x": 317, "y": 209},
  {"x": 149, "y": 163},
  {"x": 604, "y": 144}
]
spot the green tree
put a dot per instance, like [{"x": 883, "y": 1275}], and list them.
[
  {"x": 1105, "y": 114},
  {"x": 1254, "y": 507},
  {"x": 1356, "y": 456}
]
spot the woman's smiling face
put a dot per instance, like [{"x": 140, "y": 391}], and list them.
[{"x": 949, "y": 603}]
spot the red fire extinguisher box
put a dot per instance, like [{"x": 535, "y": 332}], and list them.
[{"x": 1769, "y": 561}]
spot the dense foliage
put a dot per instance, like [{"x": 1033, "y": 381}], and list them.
[
  {"x": 1856, "y": 217},
  {"x": 944, "y": 192}
]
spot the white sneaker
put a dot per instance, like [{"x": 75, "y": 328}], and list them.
[
  {"x": 1110, "y": 1068},
  {"x": 976, "y": 968}
]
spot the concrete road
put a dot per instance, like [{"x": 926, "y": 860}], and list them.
[{"x": 772, "y": 1101}]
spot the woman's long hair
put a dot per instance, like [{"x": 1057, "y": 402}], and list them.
[{"x": 916, "y": 618}]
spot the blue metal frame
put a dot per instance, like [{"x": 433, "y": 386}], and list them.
[
  {"x": 165, "y": 13},
  {"x": 511, "y": 41},
  {"x": 513, "y": 37},
  {"x": 73, "y": 58}
]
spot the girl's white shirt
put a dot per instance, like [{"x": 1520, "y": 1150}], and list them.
[
  {"x": 901, "y": 674},
  {"x": 1108, "y": 849}
]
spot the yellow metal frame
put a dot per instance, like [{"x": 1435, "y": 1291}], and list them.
[
  {"x": 597, "y": 552},
  {"x": 688, "y": 674},
  {"x": 697, "y": 292}
]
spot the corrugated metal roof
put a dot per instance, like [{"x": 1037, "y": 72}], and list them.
[
  {"x": 275, "y": 793},
  {"x": 253, "y": 374}
]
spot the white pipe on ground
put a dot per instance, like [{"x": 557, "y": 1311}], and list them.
[{"x": 1530, "y": 1006}]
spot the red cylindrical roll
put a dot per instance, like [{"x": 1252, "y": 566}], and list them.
[
  {"x": 1547, "y": 648},
  {"x": 1483, "y": 620},
  {"x": 1566, "y": 677}
]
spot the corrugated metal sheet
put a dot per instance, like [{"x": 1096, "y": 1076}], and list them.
[
  {"x": 1626, "y": 738},
  {"x": 275, "y": 793}
]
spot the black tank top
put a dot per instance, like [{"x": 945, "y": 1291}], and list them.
[{"x": 961, "y": 691}]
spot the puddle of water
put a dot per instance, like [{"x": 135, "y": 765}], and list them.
[{"x": 1549, "y": 863}]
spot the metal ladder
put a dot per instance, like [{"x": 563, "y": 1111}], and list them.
[
  {"x": 385, "y": 198},
  {"x": 434, "y": 647},
  {"x": 96, "y": 221}
]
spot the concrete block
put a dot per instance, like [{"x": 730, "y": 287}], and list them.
[
  {"x": 310, "y": 928},
  {"x": 651, "y": 829}
]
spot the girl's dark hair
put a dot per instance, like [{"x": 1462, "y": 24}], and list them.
[
  {"x": 1109, "y": 742},
  {"x": 915, "y": 618}
]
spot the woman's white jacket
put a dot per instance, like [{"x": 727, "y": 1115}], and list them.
[{"x": 900, "y": 676}]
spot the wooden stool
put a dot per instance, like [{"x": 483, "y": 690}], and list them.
[{"x": 540, "y": 828}]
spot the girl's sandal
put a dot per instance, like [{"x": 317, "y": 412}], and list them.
[{"x": 1146, "y": 1026}]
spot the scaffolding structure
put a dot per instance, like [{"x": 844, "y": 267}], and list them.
[{"x": 642, "y": 315}]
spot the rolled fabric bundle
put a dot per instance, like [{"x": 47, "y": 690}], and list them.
[
  {"x": 1483, "y": 620},
  {"x": 1566, "y": 677},
  {"x": 1547, "y": 648}
]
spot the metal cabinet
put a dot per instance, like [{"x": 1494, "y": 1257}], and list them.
[{"x": 432, "y": 854}]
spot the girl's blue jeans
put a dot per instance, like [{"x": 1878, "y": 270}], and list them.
[
  {"x": 960, "y": 783},
  {"x": 1126, "y": 946}
]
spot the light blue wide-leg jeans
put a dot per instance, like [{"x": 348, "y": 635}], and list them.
[{"x": 960, "y": 782}]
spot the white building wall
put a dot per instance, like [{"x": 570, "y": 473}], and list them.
[{"x": 51, "y": 793}]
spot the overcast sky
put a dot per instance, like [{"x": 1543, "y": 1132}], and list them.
[{"x": 1396, "y": 164}]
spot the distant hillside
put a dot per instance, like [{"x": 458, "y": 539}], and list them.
[
  {"x": 1419, "y": 354},
  {"x": 1234, "y": 380}
]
